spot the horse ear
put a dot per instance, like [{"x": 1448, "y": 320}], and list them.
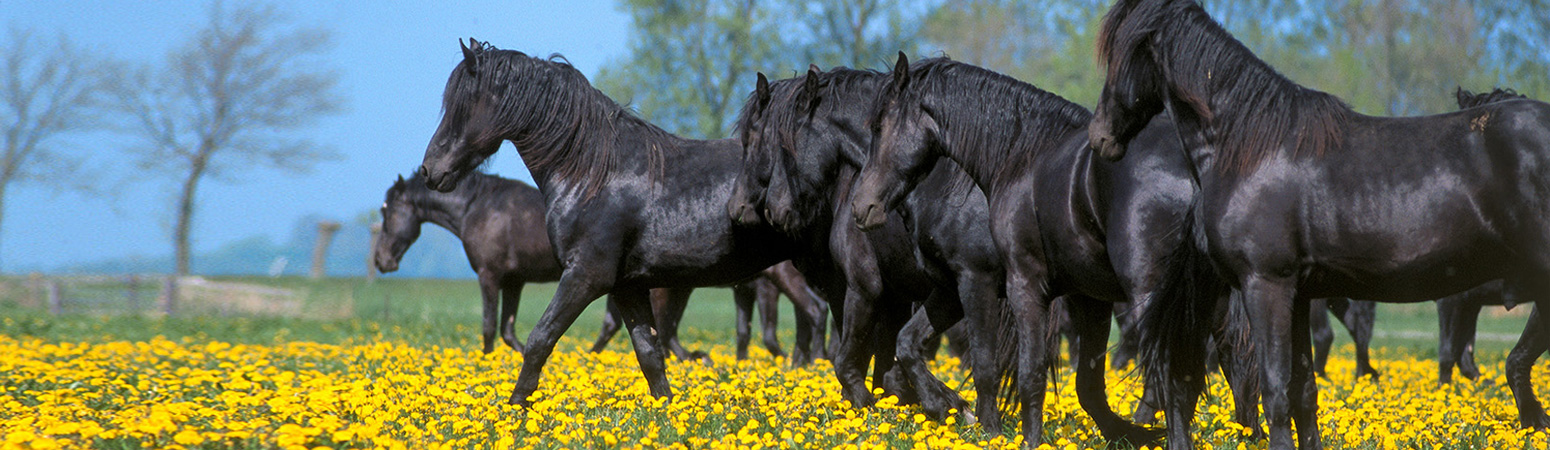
[
  {"x": 471, "y": 54},
  {"x": 1462, "y": 96},
  {"x": 400, "y": 178},
  {"x": 761, "y": 90},
  {"x": 901, "y": 72},
  {"x": 810, "y": 86}
]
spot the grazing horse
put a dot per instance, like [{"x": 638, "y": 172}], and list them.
[
  {"x": 814, "y": 138},
  {"x": 1302, "y": 197},
  {"x": 1065, "y": 223},
  {"x": 500, "y": 223},
  {"x": 628, "y": 206}
]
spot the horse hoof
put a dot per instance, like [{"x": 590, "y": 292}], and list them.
[{"x": 968, "y": 418}]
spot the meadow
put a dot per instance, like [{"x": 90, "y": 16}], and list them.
[{"x": 395, "y": 364}]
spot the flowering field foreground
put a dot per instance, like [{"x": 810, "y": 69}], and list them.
[{"x": 204, "y": 394}]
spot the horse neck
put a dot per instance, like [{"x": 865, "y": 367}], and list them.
[
  {"x": 576, "y": 136},
  {"x": 446, "y": 210},
  {"x": 994, "y": 158}
]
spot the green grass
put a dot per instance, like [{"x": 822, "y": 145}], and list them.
[
  {"x": 447, "y": 312},
  {"x": 337, "y": 310}
]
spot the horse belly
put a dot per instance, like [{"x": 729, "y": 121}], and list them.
[{"x": 1405, "y": 276}]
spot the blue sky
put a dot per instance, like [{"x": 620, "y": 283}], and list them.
[{"x": 393, "y": 58}]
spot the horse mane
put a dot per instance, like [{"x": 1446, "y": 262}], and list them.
[
  {"x": 1025, "y": 120},
  {"x": 1255, "y": 109},
  {"x": 473, "y": 182},
  {"x": 840, "y": 85},
  {"x": 781, "y": 93},
  {"x": 562, "y": 125},
  {"x": 1468, "y": 99}
]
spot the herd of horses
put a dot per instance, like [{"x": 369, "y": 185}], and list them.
[{"x": 1209, "y": 204}]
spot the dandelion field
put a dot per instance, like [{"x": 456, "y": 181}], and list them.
[{"x": 388, "y": 386}]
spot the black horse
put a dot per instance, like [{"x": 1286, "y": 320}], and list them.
[
  {"x": 874, "y": 273},
  {"x": 500, "y": 223},
  {"x": 1065, "y": 223},
  {"x": 1301, "y": 197},
  {"x": 811, "y": 142},
  {"x": 629, "y": 206}
]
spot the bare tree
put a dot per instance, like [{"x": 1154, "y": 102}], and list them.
[
  {"x": 48, "y": 90},
  {"x": 232, "y": 97}
]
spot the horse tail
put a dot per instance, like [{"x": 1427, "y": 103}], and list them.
[
  {"x": 1175, "y": 326},
  {"x": 1007, "y": 347}
]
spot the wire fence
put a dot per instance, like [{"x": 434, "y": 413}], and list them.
[{"x": 148, "y": 294}]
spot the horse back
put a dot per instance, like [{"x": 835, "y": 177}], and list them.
[
  {"x": 505, "y": 234},
  {"x": 1406, "y": 209},
  {"x": 660, "y": 218}
]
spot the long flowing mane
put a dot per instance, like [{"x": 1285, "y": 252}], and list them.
[
  {"x": 1255, "y": 110},
  {"x": 559, "y": 123},
  {"x": 1020, "y": 120}
]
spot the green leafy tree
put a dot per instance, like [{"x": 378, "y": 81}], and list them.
[
  {"x": 692, "y": 62},
  {"x": 1047, "y": 44},
  {"x": 688, "y": 60}
]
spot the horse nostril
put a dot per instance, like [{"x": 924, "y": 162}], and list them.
[{"x": 423, "y": 171}]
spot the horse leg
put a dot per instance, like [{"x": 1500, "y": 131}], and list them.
[
  {"x": 647, "y": 339},
  {"x": 987, "y": 330},
  {"x": 1456, "y": 321},
  {"x": 886, "y": 372},
  {"x": 490, "y": 292},
  {"x": 1520, "y": 362},
  {"x": 854, "y": 349},
  {"x": 1270, "y": 308},
  {"x": 743, "y": 296},
  {"x": 1323, "y": 336},
  {"x": 571, "y": 297},
  {"x": 1090, "y": 322},
  {"x": 1359, "y": 318},
  {"x": 668, "y": 309},
  {"x": 1026, "y": 281},
  {"x": 1237, "y": 362},
  {"x": 940, "y": 311},
  {"x": 1125, "y": 349},
  {"x": 811, "y": 313},
  {"x": 511, "y": 296},
  {"x": 611, "y": 323},
  {"x": 1303, "y": 387},
  {"x": 768, "y": 302}
]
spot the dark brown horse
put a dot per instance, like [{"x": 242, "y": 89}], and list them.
[{"x": 1302, "y": 197}]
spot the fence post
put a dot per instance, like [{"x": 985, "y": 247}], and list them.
[
  {"x": 34, "y": 289},
  {"x": 326, "y": 231},
  {"x": 132, "y": 291},
  {"x": 371, "y": 262},
  {"x": 56, "y": 298},
  {"x": 169, "y": 294}
]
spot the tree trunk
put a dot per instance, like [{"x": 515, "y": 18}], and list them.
[
  {"x": 186, "y": 215},
  {"x": 3, "y": 183}
]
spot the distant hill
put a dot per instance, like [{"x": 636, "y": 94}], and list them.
[{"x": 436, "y": 254}]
